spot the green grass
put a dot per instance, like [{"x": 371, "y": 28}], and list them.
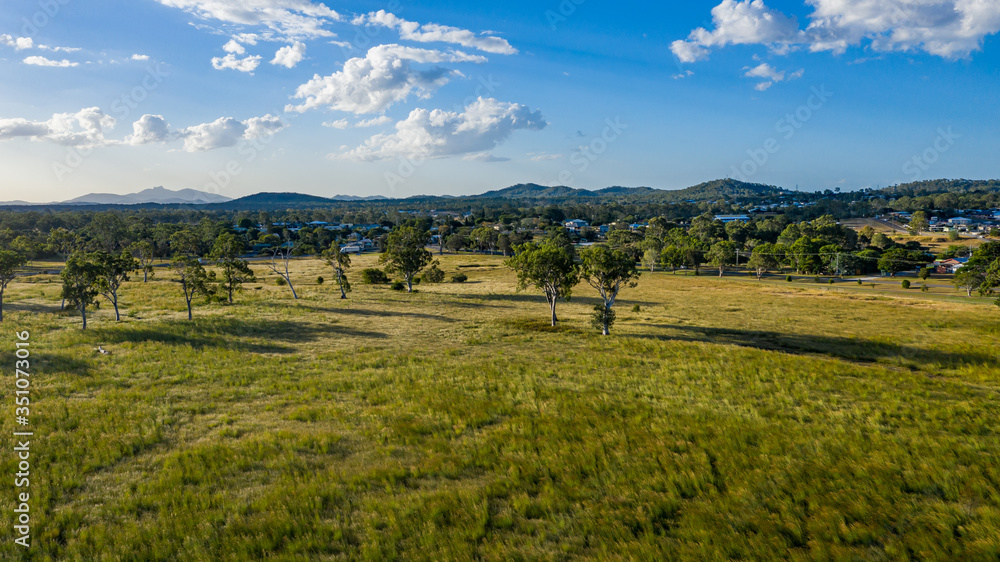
[{"x": 728, "y": 419}]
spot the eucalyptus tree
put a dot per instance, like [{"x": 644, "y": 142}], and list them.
[
  {"x": 548, "y": 266},
  {"x": 609, "y": 271}
]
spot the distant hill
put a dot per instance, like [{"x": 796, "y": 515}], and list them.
[
  {"x": 535, "y": 191},
  {"x": 935, "y": 187},
  {"x": 157, "y": 195},
  {"x": 727, "y": 189}
]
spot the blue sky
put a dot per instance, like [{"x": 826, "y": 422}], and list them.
[{"x": 403, "y": 98}]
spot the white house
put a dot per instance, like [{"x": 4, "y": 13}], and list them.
[
  {"x": 576, "y": 225},
  {"x": 960, "y": 221}
]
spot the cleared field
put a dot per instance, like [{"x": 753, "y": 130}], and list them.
[{"x": 723, "y": 419}]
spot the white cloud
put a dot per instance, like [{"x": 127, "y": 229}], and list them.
[
  {"x": 682, "y": 75},
  {"x": 290, "y": 55},
  {"x": 765, "y": 71},
  {"x": 947, "y": 28},
  {"x": 770, "y": 75},
  {"x": 543, "y": 157},
  {"x": 82, "y": 129},
  {"x": 150, "y": 129},
  {"x": 230, "y": 61},
  {"x": 290, "y": 18},
  {"x": 138, "y": 57},
  {"x": 42, "y": 61},
  {"x": 383, "y": 77},
  {"x": 19, "y": 43},
  {"x": 485, "y": 157},
  {"x": 737, "y": 22},
  {"x": 234, "y": 47},
  {"x": 59, "y": 49},
  {"x": 222, "y": 133},
  {"x": 432, "y": 32},
  {"x": 376, "y": 122},
  {"x": 226, "y": 132},
  {"x": 363, "y": 124},
  {"x": 482, "y": 126}
]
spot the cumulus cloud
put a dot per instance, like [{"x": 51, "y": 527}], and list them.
[
  {"x": 232, "y": 62},
  {"x": 85, "y": 128},
  {"x": 224, "y": 132},
  {"x": 383, "y": 77},
  {"x": 432, "y": 32},
  {"x": 481, "y": 127},
  {"x": 946, "y": 28},
  {"x": 748, "y": 22},
  {"x": 234, "y": 47},
  {"x": 150, "y": 129},
  {"x": 290, "y": 55},
  {"x": 290, "y": 18},
  {"x": 18, "y": 43},
  {"x": 141, "y": 58},
  {"x": 42, "y": 61}
]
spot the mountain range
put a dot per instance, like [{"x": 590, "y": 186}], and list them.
[{"x": 717, "y": 190}]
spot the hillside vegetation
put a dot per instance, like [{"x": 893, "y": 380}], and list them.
[{"x": 723, "y": 419}]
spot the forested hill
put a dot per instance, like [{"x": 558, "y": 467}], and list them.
[
  {"x": 724, "y": 190},
  {"x": 936, "y": 187}
]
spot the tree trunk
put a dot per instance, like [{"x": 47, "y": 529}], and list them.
[
  {"x": 409, "y": 283},
  {"x": 552, "y": 305},
  {"x": 114, "y": 302},
  {"x": 721, "y": 269},
  {"x": 294, "y": 294},
  {"x": 340, "y": 281},
  {"x": 83, "y": 313},
  {"x": 1, "y": 305},
  {"x": 190, "y": 316},
  {"x": 145, "y": 274}
]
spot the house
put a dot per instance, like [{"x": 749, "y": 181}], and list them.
[
  {"x": 732, "y": 218},
  {"x": 960, "y": 221},
  {"x": 576, "y": 225},
  {"x": 950, "y": 265}
]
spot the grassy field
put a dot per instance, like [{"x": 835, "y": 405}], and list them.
[{"x": 725, "y": 419}]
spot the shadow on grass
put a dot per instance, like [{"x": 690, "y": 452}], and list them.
[
  {"x": 837, "y": 347},
  {"x": 248, "y": 335},
  {"x": 25, "y": 306},
  {"x": 540, "y": 299},
  {"x": 366, "y": 313}
]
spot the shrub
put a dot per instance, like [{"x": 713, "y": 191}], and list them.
[
  {"x": 601, "y": 316},
  {"x": 280, "y": 281},
  {"x": 788, "y": 278},
  {"x": 860, "y": 282},
  {"x": 832, "y": 281},
  {"x": 416, "y": 280},
  {"x": 459, "y": 278},
  {"x": 398, "y": 286},
  {"x": 925, "y": 273},
  {"x": 905, "y": 284},
  {"x": 817, "y": 279},
  {"x": 636, "y": 308},
  {"x": 924, "y": 288},
  {"x": 373, "y": 276},
  {"x": 434, "y": 274},
  {"x": 320, "y": 280}
]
